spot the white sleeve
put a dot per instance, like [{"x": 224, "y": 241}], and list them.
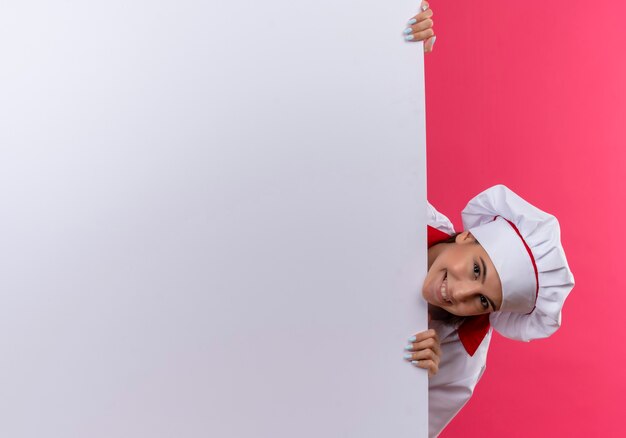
[{"x": 454, "y": 384}]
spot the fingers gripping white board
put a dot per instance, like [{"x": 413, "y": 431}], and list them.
[{"x": 213, "y": 219}]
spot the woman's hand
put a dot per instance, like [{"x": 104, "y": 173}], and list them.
[
  {"x": 424, "y": 351},
  {"x": 420, "y": 28}
]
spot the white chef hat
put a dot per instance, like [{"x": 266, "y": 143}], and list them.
[{"x": 524, "y": 244}]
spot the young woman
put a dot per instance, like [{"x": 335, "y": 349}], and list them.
[{"x": 507, "y": 271}]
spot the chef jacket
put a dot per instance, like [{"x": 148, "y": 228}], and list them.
[{"x": 462, "y": 362}]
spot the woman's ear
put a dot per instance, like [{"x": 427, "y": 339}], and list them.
[{"x": 465, "y": 237}]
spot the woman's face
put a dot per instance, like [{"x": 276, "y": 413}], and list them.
[{"x": 463, "y": 280}]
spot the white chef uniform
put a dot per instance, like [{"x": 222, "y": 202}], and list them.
[{"x": 524, "y": 244}]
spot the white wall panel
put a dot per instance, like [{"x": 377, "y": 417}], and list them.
[{"x": 212, "y": 219}]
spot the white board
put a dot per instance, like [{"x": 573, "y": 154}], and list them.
[{"x": 213, "y": 219}]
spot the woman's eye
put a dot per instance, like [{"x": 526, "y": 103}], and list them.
[
  {"x": 484, "y": 302},
  {"x": 476, "y": 270}
]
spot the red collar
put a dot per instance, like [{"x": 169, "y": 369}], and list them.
[
  {"x": 473, "y": 329},
  {"x": 435, "y": 236}
]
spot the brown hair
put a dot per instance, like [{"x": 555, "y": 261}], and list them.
[{"x": 452, "y": 239}]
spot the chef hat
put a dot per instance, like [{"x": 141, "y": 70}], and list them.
[{"x": 525, "y": 246}]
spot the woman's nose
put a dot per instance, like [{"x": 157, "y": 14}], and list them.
[{"x": 464, "y": 290}]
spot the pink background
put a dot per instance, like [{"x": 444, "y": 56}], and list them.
[{"x": 533, "y": 95}]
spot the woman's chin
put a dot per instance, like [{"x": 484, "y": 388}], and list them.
[{"x": 430, "y": 297}]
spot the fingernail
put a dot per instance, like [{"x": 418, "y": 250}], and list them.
[
  {"x": 414, "y": 362},
  {"x": 412, "y": 21},
  {"x": 412, "y": 339},
  {"x": 424, "y": 7},
  {"x": 408, "y": 347},
  {"x": 409, "y": 37},
  {"x": 408, "y": 30},
  {"x": 408, "y": 356},
  {"x": 428, "y": 48}
]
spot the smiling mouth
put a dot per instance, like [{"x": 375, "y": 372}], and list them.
[{"x": 443, "y": 290}]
